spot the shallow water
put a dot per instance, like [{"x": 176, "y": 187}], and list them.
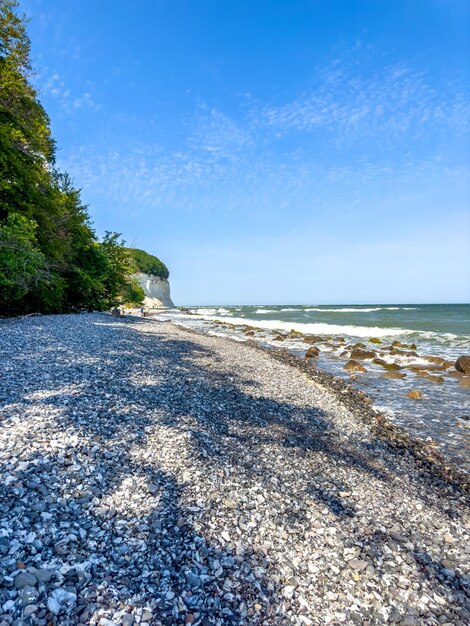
[{"x": 439, "y": 330}]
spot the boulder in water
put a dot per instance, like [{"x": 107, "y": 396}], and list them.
[
  {"x": 354, "y": 366},
  {"x": 430, "y": 377},
  {"x": 313, "y": 339},
  {"x": 312, "y": 353},
  {"x": 375, "y": 340},
  {"x": 393, "y": 374},
  {"x": 359, "y": 353},
  {"x": 414, "y": 394},
  {"x": 463, "y": 364}
]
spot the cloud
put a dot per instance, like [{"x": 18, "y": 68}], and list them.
[
  {"x": 390, "y": 101},
  {"x": 51, "y": 84}
]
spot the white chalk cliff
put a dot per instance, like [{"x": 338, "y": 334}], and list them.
[{"x": 157, "y": 290}]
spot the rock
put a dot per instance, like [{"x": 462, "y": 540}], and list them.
[
  {"x": 408, "y": 353},
  {"x": 43, "y": 575},
  {"x": 437, "y": 360},
  {"x": 393, "y": 374},
  {"x": 30, "y": 609},
  {"x": 430, "y": 377},
  {"x": 61, "y": 600},
  {"x": 359, "y": 353},
  {"x": 193, "y": 580},
  {"x": 375, "y": 340},
  {"x": 127, "y": 619},
  {"x": 463, "y": 364},
  {"x": 414, "y": 394},
  {"x": 354, "y": 366},
  {"x": 392, "y": 367},
  {"x": 279, "y": 338},
  {"x": 249, "y": 333},
  {"x": 25, "y": 579},
  {"x": 465, "y": 381},
  {"x": 312, "y": 353},
  {"x": 399, "y": 344},
  {"x": 313, "y": 339},
  {"x": 357, "y": 564}
]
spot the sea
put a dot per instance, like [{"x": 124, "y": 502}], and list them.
[{"x": 442, "y": 414}]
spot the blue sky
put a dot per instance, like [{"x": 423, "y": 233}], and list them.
[{"x": 270, "y": 151}]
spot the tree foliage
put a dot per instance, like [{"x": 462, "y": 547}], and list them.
[
  {"x": 50, "y": 258},
  {"x": 147, "y": 263}
]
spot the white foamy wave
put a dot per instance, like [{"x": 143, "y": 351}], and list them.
[
  {"x": 346, "y": 310},
  {"x": 384, "y": 410},
  {"x": 260, "y": 311},
  {"x": 314, "y": 328},
  {"x": 292, "y": 309},
  {"x": 362, "y": 310}
]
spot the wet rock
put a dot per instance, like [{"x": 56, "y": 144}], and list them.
[
  {"x": 354, "y": 366},
  {"x": 393, "y": 374},
  {"x": 414, "y": 394},
  {"x": 312, "y": 353},
  {"x": 430, "y": 377},
  {"x": 375, "y": 340},
  {"x": 360, "y": 354},
  {"x": 463, "y": 364}
]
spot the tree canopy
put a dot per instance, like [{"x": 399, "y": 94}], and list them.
[{"x": 147, "y": 263}]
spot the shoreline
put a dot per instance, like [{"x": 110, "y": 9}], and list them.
[
  {"x": 440, "y": 465},
  {"x": 156, "y": 475}
]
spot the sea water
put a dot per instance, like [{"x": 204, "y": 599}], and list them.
[{"x": 443, "y": 412}]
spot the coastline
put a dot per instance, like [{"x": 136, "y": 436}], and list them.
[
  {"x": 269, "y": 491},
  {"x": 414, "y": 385}
]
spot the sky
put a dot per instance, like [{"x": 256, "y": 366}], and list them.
[{"x": 268, "y": 151}]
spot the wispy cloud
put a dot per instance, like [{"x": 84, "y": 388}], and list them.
[
  {"x": 392, "y": 101},
  {"x": 51, "y": 84}
]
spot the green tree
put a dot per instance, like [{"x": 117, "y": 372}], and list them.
[{"x": 23, "y": 266}]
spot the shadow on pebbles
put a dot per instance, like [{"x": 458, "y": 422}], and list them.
[{"x": 153, "y": 476}]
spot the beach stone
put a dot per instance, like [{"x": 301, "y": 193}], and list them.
[
  {"x": 462, "y": 364},
  {"x": 414, "y": 394},
  {"x": 391, "y": 367},
  {"x": 360, "y": 354},
  {"x": 30, "y": 609},
  {"x": 430, "y": 377},
  {"x": 313, "y": 339},
  {"x": 312, "y": 353},
  {"x": 358, "y": 564},
  {"x": 354, "y": 366},
  {"x": 25, "y": 579},
  {"x": 465, "y": 381},
  {"x": 193, "y": 479},
  {"x": 375, "y": 340},
  {"x": 394, "y": 374}
]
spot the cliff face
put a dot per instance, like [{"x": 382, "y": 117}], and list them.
[{"x": 157, "y": 290}]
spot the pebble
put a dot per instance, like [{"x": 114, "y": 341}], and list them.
[{"x": 154, "y": 476}]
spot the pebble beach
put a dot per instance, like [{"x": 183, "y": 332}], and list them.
[{"x": 152, "y": 475}]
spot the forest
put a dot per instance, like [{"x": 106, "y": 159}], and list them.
[{"x": 51, "y": 260}]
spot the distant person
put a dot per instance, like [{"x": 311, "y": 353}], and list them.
[{"x": 142, "y": 311}]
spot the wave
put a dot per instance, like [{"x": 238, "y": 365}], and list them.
[
  {"x": 351, "y": 310},
  {"x": 314, "y": 328},
  {"x": 259, "y": 311}
]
